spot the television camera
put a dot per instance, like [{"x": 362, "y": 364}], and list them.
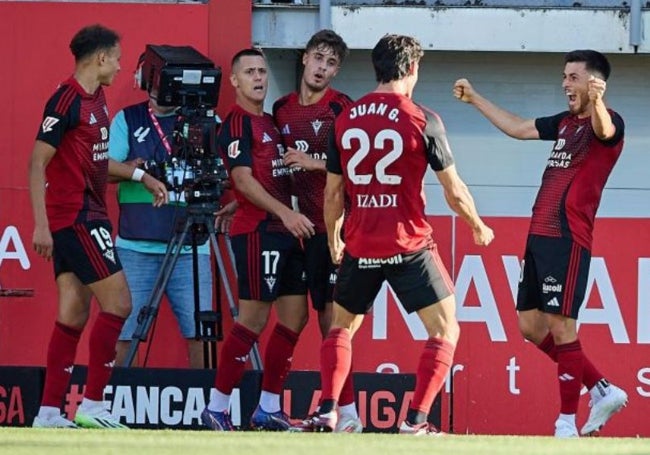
[{"x": 183, "y": 77}]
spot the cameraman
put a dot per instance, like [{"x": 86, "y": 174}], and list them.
[{"x": 143, "y": 134}]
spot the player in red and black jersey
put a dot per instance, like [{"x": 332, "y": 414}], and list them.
[
  {"x": 67, "y": 181},
  {"x": 305, "y": 119},
  {"x": 588, "y": 141},
  {"x": 381, "y": 147},
  {"x": 265, "y": 235}
]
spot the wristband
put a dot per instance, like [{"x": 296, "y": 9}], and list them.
[{"x": 137, "y": 175}]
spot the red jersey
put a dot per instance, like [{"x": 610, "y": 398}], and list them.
[
  {"x": 254, "y": 141},
  {"x": 575, "y": 175},
  {"x": 307, "y": 129},
  {"x": 76, "y": 124},
  {"x": 382, "y": 146}
]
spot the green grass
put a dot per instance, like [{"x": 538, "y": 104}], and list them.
[{"x": 159, "y": 442}]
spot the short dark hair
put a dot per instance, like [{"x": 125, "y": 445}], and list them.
[
  {"x": 594, "y": 61},
  {"x": 328, "y": 38},
  {"x": 91, "y": 39},
  {"x": 249, "y": 52},
  {"x": 394, "y": 55}
]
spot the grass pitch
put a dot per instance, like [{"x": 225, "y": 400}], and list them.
[{"x": 158, "y": 442}]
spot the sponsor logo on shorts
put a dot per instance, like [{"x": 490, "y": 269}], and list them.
[
  {"x": 550, "y": 284},
  {"x": 375, "y": 263},
  {"x": 270, "y": 282},
  {"x": 553, "y": 302}
]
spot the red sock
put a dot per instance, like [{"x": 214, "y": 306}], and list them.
[
  {"x": 278, "y": 357},
  {"x": 335, "y": 360},
  {"x": 234, "y": 355},
  {"x": 347, "y": 392},
  {"x": 547, "y": 346},
  {"x": 569, "y": 371},
  {"x": 101, "y": 345},
  {"x": 590, "y": 375},
  {"x": 60, "y": 359},
  {"x": 435, "y": 361}
]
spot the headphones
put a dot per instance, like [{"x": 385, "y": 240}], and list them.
[{"x": 138, "y": 81}]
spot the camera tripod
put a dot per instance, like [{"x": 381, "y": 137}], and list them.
[{"x": 199, "y": 223}]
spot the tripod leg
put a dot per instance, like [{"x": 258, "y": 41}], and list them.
[
  {"x": 256, "y": 358},
  {"x": 149, "y": 312}
]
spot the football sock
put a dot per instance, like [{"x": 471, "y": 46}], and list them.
[
  {"x": 277, "y": 359},
  {"x": 234, "y": 355},
  {"x": 336, "y": 357},
  {"x": 569, "y": 371},
  {"x": 415, "y": 417},
  {"x": 347, "y": 392},
  {"x": 101, "y": 345},
  {"x": 219, "y": 402},
  {"x": 349, "y": 410},
  {"x": 547, "y": 346},
  {"x": 60, "y": 359},
  {"x": 590, "y": 375},
  {"x": 570, "y": 418},
  {"x": 435, "y": 361},
  {"x": 270, "y": 402}
]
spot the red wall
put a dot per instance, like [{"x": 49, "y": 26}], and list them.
[{"x": 503, "y": 385}]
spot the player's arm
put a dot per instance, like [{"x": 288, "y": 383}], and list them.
[
  {"x": 511, "y": 124},
  {"x": 334, "y": 200},
  {"x": 601, "y": 120},
  {"x": 297, "y": 159},
  {"x": 299, "y": 225},
  {"x": 42, "y": 238},
  {"x": 460, "y": 201},
  {"x": 456, "y": 192},
  {"x": 333, "y": 209}
]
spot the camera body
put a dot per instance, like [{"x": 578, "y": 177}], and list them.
[
  {"x": 183, "y": 77},
  {"x": 180, "y": 76}
]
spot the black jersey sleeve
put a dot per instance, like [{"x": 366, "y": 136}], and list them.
[
  {"x": 61, "y": 114},
  {"x": 436, "y": 144},
  {"x": 547, "y": 127},
  {"x": 340, "y": 102},
  {"x": 235, "y": 140},
  {"x": 619, "y": 124},
  {"x": 333, "y": 162}
]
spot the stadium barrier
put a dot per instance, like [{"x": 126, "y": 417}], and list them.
[{"x": 154, "y": 398}]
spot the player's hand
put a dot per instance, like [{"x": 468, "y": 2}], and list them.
[
  {"x": 464, "y": 91},
  {"x": 298, "y": 224},
  {"x": 296, "y": 159},
  {"x": 42, "y": 242},
  {"x": 336, "y": 250},
  {"x": 157, "y": 189},
  {"x": 223, "y": 217},
  {"x": 483, "y": 235},
  {"x": 596, "y": 88}
]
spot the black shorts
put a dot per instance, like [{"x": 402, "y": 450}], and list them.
[
  {"x": 553, "y": 276},
  {"x": 418, "y": 279},
  {"x": 321, "y": 271},
  {"x": 269, "y": 265},
  {"x": 86, "y": 250}
]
